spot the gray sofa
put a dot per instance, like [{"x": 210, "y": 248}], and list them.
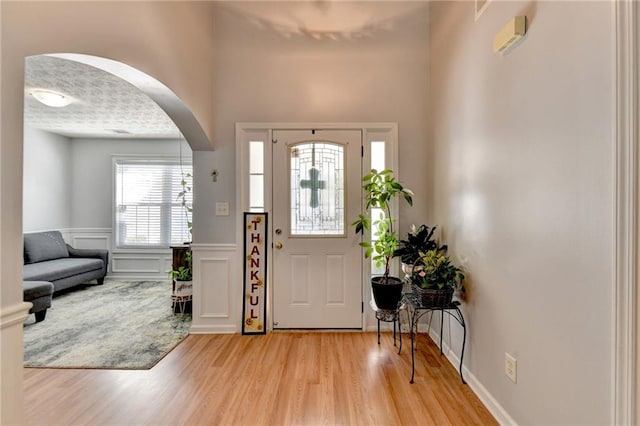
[
  {"x": 39, "y": 293},
  {"x": 48, "y": 258}
]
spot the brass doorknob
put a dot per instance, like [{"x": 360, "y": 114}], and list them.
[{"x": 278, "y": 246}]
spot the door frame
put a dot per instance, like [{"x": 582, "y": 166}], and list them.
[
  {"x": 625, "y": 384},
  {"x": 252, "y": 131}
]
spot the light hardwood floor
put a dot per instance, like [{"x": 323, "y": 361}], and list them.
[{"x": 277, "y": 379}]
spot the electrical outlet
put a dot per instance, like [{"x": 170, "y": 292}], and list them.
[
  {"x": 222, "y": 209},
  {"x": 510, "y": 367}
]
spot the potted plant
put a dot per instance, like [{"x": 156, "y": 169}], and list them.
[
  {"x": 418, "y": 240},
  {"x": 183, "y": 284},
  {"x": 380, "y": 189},
  {"x": 435, "y": 278},
  {"x": 185, "y": 270},
  {"x": 182, "y": 198}
]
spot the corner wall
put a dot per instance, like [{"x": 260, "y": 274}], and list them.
[
  {"x": 523, "y": 178},
  {"x": 47, "y": 181}
]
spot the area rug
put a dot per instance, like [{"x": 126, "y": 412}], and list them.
[{"x": 117, "y": 325}]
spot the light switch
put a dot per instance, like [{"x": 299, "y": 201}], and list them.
[{"x": 222, "y": 209}]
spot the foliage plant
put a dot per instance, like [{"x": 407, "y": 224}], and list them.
[
  {"x": 418, "y": 240},
  {"x": 434, "y": 270},
  {"x": 380, "y": 189},
  {"x": 184, "y": 271},
  {"x": 182, "y": 198}
]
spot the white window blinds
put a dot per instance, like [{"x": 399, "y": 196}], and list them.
[{"x": 149, "y": 212}]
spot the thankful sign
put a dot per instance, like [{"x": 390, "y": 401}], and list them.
[{"x": 255, "y": 273}]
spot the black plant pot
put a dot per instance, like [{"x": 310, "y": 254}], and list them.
[{"x": 387, "y": 293}]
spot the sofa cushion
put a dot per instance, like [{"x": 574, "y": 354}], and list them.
[
  {"x": 52, "y": 270},
  {"x": 34, "y": 289},
  {"x": 41, "y": 246}
]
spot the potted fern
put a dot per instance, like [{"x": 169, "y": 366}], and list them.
[{"x": 380, "y": 189}]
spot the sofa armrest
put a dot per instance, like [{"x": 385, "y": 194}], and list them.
[{"x": 91, "y": 253}]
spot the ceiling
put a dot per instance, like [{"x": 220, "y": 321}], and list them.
[{"x": 105, "y": 106}]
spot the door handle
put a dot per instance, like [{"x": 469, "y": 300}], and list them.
[{"x": 278, "y": 246}]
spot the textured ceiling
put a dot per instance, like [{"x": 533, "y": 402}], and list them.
[{"x": 105, "y": 106}]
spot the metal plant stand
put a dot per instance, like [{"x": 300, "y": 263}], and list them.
[
  {"x": 388, "y": 315},
  {"x": 415, "y": 311}
]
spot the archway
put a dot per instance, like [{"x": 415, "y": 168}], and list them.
[{"x": 166, "y": 99}]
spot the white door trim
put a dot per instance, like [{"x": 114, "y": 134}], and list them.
[
  {"x": 250, "y": 131},
  {"x": 624, "y": 295}
]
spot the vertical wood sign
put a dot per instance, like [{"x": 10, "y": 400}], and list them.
[{"x": 254, "y": 305}]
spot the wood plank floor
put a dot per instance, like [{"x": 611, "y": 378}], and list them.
[{"x": 279, "y": 379}]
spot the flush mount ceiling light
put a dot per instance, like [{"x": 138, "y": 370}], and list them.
[{"x": 51, "y": 98}]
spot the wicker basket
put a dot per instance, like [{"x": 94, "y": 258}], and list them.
[{"x": 433, "y": 298}]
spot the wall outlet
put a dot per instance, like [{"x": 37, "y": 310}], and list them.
[
  {"x": 510, "y": 367},
  {"x": 222, "y": 209}
]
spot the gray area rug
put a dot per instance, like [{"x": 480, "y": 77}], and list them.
[{"x": 118, "y": 325}]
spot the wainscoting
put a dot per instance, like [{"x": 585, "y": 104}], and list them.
[
  {"x": 217, "y": 286},
  {"x": 127, "y": 264},
  {"x": 217, "y": 289}
]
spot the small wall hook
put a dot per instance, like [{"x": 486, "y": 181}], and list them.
[{"x": 214, "y": 175}]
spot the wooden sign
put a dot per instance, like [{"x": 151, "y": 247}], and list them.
[{"x": 254, "y": 304}]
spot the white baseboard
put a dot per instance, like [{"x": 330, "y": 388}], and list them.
[
  {"x": 119, "y": 277},
  {"x": 500, "y": 414},
  {"x": 213, "y": 329}
]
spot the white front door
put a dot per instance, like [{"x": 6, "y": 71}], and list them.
[{"x": 317, "y": 262}]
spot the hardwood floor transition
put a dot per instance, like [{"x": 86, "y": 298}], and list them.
[{"x": 281, "y": 378}]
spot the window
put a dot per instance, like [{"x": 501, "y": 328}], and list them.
[
  {"x": 378, "y": 162},
  {"x": 316, "y": 183},
  {"x": 148, "y": 211},
  {"x": 256, "y": 176}
]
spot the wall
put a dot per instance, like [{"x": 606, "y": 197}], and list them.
[
  {"x": 263, "y": 75},
  {"x": 92, "y": 174},
  {"x": 92, "y": 202},
  {"x": 162, "y": 39},
  {"x": 46, "y": 181},
  {"x": 523, "y": 156}
]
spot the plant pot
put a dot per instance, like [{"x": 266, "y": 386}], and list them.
[
  {"x": 433, "y": 298},
  {"x": 182, "y": 296},
  {"x": 387, "y": 294}
]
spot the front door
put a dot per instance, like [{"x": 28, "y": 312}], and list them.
[{"x": 317, "y": 262}]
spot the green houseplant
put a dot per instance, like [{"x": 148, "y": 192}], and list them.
[
  {"x": 435, "y": 278},
  {"x": 418, "y": 240},
  {"x": 182, "y": 198},
  {"x": 185, "y": 270},
  {"x": 380, "y": 189}
]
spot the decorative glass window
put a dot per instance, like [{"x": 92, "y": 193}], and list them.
[
  {"x": 317, "y": 198},
  {"x": 256, "y": 176},
  {"x": 378, "y": 162},
  {"x": 148, "y": 212}
]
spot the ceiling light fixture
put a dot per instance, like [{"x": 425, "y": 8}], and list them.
[{"x": 51, "y": 98}]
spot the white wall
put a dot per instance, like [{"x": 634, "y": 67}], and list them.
[
  {"x": 92, "y": 174},
  {"x": 46, "y": 181},
  {"x": 262, "y": 76},
  {"x": 523, "y": 188}
]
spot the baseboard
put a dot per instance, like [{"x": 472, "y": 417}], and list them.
[
  {"x": 118, "y": 277},
  {"x": 213, "y": 329},
  {"x": 500, "y": 414}
]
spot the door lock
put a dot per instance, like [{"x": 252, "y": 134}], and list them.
[
  {"x": 278, "y": 231},
  {"x": 278, "y": 246}
]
